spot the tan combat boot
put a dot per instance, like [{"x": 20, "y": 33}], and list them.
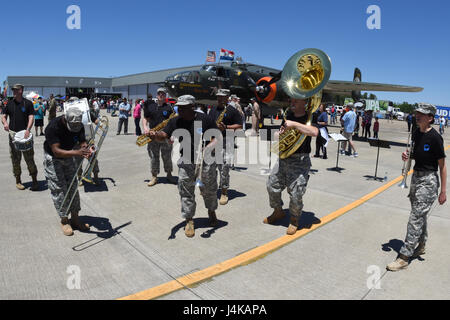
[
  {"x": 420, "y": 250},
  {"x": 277, "y": 215},
  {"x": 66, "y": 228},
  {"x": 19, "y": 184},
  {"x": 212, "y": 218},
  {"x": 292, "y": 229},
  {"x": 77, "y": 224},
  {"x": 189, "y": 228},
  {"x": 399, "y": 264},
  {"x": 153, "y": 181},
  {"x": 224, "y": 197},
  {"x": 35, "y": 186}
]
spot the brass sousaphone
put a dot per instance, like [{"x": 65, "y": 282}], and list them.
[{"x": 304, "y": 76}]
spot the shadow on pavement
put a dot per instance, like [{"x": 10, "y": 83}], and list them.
[
  {"x": 199, "y": 223},
  {"x": 393, "y": 244},
  {"x": 43, "y": 185},
  {"x": 232, "y": 194},
  {"x": 106, "y": 231},
  {"x": 306, "y": 221}
]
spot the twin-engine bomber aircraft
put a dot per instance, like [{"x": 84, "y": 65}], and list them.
[{"x": 203, "y": 84}]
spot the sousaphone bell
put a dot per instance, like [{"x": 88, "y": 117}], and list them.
[{"x": 303, "y": 77}]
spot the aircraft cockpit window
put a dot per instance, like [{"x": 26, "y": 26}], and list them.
[{"x": 211, "y": 69}]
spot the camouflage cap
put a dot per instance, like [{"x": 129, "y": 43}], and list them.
[
  {"x": 74, "y": 118},
  {"x": 18, "y": 86},
  {"x": 185, "y": 100},
  {"x": 223, "y": 93},
  {"x": 426, "y": 108}
]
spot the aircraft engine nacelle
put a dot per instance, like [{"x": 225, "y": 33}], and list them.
[{"x": 266, "y": 91}]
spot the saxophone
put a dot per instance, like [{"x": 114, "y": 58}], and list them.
[
  {"x": 221, "y": 116},
  {"x": 144, "y": 139}
]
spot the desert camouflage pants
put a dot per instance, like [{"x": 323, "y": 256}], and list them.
[
  {"x": 186, "y": 188},
  {"x": 291, "y": 173},
  {"x": 154, "y": 149},
  {"x": 59, "y": 174},
  {"x": 423, "y": 193},
  {"x": 16, "y": 158}
]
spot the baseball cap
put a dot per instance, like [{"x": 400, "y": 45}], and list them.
[
  {"x": 74, "y": 117},
  {"x": 426, "y": 108},
  {"x": 185, "y": 100},
  {"x": 223, "y": 92}
]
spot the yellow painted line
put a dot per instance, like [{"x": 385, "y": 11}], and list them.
[{"x": 254, "y": 254}]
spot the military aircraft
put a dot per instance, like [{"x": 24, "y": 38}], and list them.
[{"x": 262, "y": 84}]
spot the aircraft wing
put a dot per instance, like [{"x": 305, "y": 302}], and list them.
[{"x": 344, "y": 87}]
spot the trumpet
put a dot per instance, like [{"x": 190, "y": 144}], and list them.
[{"x": 407, "y": 164}]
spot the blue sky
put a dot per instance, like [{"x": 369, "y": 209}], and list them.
[{"x": 125, "y": 37}]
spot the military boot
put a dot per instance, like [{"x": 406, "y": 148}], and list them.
[
  {"x": 189, "y": 228},
  {"x": 77, "y": 224},
  {"x": 66, "y": 228},
  {"x": 224, "y": 197},
  {"x": 420, "y": 250},
  {"x": 96, "y": 179},
  {"x": 19, "y": 184},
  {"x": 292, "y": 229},
  {"x": 35, "y": 185},
  {"x": 153, "y": 181},
  {"x": 399, "y": 264},
  {"x": 212, "y": 218},
  {"x": 277, "y": 215}
]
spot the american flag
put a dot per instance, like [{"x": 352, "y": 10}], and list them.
[{"x": 211, "y": 56}]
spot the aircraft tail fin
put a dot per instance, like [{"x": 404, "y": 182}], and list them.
[{"x": 357, "y": 77}]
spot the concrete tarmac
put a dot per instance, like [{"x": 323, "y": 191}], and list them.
[{"x": 137, "y": 239}]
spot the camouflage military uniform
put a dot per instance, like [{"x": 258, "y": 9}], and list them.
[
  {"x": 59, "y": 173},
  {"x": 224, "y": 169},
  {"x": 16, "y": 157},
  {"x": 154, "y": 149},
  {"x": 423, "y": 193},
  {"x": 291, "y": 173},
  {"x": 186, "y": 188}
]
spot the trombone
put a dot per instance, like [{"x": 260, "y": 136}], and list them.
[{"x": 102, "y": 125}]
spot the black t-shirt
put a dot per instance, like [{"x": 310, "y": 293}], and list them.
[
  {"x": 57, "y": 132},
  {"x": 231, "y": 117},
  {"x": 428, "y": 149},
  {"x": 306, "y": 145},
  {"x": 18, "y": 114},
  {"x": 156, "y": 114},
  {"x": 179, "y": 123}
]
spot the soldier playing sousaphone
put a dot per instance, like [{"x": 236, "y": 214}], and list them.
[{"x": 304, "y": 76}]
